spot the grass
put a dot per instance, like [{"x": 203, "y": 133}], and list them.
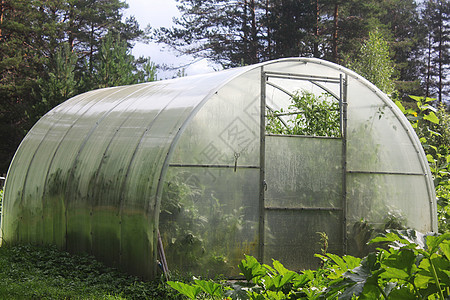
[{"x": 29, "y": 272}]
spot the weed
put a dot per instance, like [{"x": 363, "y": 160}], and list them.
[{"x": 31, "y": 272}]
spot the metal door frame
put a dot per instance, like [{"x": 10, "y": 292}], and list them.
[{"x": 342, "y": 81}]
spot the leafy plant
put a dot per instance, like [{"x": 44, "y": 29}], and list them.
[
  {"x": 425, "y": 112},
  {"x": 31, "y": 272},
  {"x": 308, "y": 114},
  {"x": 414, "y": 267},
  {"x": 261, "y": 282},
  {"x": 433, "y": 128},
  {"x": 214, "y": 290}
]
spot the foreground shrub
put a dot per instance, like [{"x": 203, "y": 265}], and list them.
[{"x": 413, "y": 266}]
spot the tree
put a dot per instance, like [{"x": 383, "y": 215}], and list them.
[
  {"x": 374, "y": 63},
  {"x": 115, "y": 65},
  {"x": 236, "y": 32},
  {"x": 292, "y": 28},
  {"x": 49, "y": 51},
  {"x": 58, "y": 82},
  {"x": 20, "y": 64},
  {"x": 224, "y": 31},
  {"x": 437, "y": 19},
  {"x": 406, "y": 36}
]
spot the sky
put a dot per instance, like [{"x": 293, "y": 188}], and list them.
[{"x": 159, "y": 13}]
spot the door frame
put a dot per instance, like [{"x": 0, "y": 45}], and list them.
[{"x": 318, "y": 81}]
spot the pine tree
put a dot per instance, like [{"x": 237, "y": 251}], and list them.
[
  {"x": 235, "y": 33},
  {"x": 437, "y": 19},
  {"x": 292, "y": 27},
  {"x": 115, "y": 65},
  {"x": 58, "y": 82},
  {"x": 224, "y": 31},
  {"x": 406, "y": 36}
]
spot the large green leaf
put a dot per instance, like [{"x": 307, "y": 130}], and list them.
[
  {"x": 371, "y": 290},
  {"x": 280, "y": 280},
  {"x": 442, "y": 265},
  {"x": 401, "y": 238},
  {"x": 392, "y": 273},
  {"x": 251, "y": 268},
  {"x": 445, "y": 248},
  {"x": 432, "y": 118},
  {"x": 420, "y": 98},
  {"x": 423, "y": 279},
  {"x": 400, "y": 105},
  {"x": 190, "y": 291},
  {"x": 363, "y": 277},
  {"x": 399, "y": 265},
  {"x": 280, "y": 268},
  {"x": 352, "y": 262},
  {"x": 301, "y": 280},
  {"x": 433, "y": 241},
  {"x": 211, "y": 288},
  {"x": 354, "y": 289},
  {"x": 403, "y": 293}
]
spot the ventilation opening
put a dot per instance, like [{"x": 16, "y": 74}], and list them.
[{"x": 307, "y": 114}]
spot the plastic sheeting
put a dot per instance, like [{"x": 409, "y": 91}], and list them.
[{"x": 102, "y": 172}]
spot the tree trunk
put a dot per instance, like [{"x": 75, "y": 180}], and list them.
[
  {"x": 71, "y": 37},
  {"x": 245, "y": 32},
  {"x": 428, "y": 81},
  {"x": 269, "y": 37},
  {"x": 91, "y": 50},
  {"x": 254, "y": 42},
  {"x": 316, "y": 41},
  {"x": 440, "y": 50},
  {"x": 335, "y": 32}
]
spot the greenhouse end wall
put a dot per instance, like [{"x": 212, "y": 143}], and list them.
[{"x": 192, "y": 158}]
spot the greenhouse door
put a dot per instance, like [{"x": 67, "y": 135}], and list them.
[{"x": 302, "y": 192}]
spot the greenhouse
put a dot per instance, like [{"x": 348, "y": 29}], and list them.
[{"x": 272, "y": 160}]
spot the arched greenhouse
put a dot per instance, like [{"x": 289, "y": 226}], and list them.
[{"x": 255, "y": 160}]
